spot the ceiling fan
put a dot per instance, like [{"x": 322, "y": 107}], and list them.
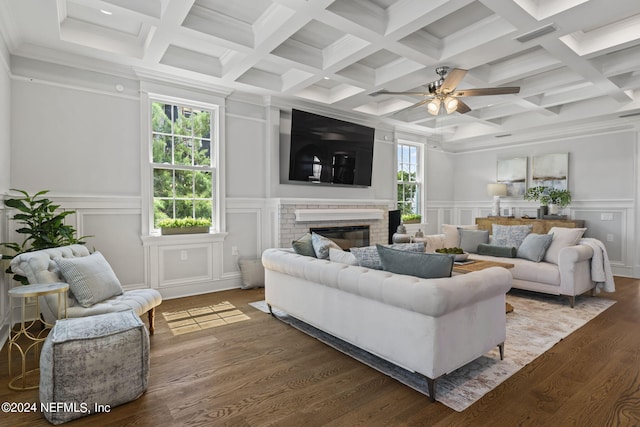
[{"x": 442, "y": 93}]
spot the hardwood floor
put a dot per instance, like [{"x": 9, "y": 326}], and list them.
[{"x": 257, "y": 371}]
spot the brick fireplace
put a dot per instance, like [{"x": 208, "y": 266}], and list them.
[{"x": 296, "y": 219}]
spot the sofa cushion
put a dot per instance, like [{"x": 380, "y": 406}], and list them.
[
  {"x": 510, "y": 235},
  {"x": 534, "y": 246},
  {"x": 470, "y": 239},
  {"x": 304, "y": 245},
  {"x": 321, "y": 245},
  {"x": 562, "y": 237},
  {"x": 497, "y": 250},
  {"x": 343, "y": 257},
  {"x": 368, "y": 255},
  {"x": 90, "y": 278},
  {"x": 523, "y": 269},
  {"x": 419, "y": 264},
  {"x": 452, "y": 234}
]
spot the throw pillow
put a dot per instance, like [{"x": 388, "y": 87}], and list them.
[
  {"x": 343, "y": 257},
  {"x": 497, "y": 250},
  {"x": 419, "y": 264},
  {"x": 535, "y": 246},
  {"x": 368, "y": 255},
  {"x": 452, "y": 234},
  {"x": 90, "y": 278},
  {"x": 252, "y": 272},
  {"x": 470, "y": 239},
  {"x": 562, "y": 237},
  {"x": 321, "y": 245},
  {"x": 304, "y": 246},
  {"x": 510, "y": 235}
]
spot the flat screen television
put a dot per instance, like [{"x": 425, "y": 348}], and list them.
[{"x": 330, "y": 151}]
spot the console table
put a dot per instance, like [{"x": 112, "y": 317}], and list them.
[{"x": 540, "y": 226}]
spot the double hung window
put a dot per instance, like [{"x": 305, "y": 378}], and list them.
[
  {"x": 409, "y": 179},
  {"x": 183, "y": 160}
]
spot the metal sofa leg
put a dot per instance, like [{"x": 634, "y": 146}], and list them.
[
  {"x": 501, "y": 348},
  {"x": 572, "y": 301},
  {"x": 152, "y": 327},
  {"x": 270, "y": 310}
]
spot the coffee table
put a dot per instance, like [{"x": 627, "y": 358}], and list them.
[{"x": 479, "y": 264}]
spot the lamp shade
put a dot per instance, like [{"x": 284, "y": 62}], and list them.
[
  {"x": 497, "y": 189},
  {"x": 433, "y": 107}
]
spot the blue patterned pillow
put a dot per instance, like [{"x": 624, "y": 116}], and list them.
[
  {"x": 321, "y": 245},
  {"x": 510, "y": 235},
  {"x": 368, "y": 256}
]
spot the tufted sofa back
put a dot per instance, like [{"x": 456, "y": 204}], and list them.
[{"x": 41, "y": 267}]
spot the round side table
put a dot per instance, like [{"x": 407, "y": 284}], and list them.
[{"x": 27, "y": 338}]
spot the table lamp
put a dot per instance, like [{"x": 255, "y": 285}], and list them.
[{"x": 496, "y": 190}]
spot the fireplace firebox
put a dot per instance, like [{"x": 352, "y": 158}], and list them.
[{"x": 346, "y": 237}]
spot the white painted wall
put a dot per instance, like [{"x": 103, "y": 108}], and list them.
[{"x": 5, "y": 174}]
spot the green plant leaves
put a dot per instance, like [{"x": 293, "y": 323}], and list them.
[{"x": 41, "y": 223}]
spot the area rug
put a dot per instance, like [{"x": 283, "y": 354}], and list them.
[{"x": 537, "y": 323}]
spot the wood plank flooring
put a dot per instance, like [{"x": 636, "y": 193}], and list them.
[{"x": 256, "y": 371}]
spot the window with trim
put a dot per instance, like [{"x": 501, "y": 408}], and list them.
[
  {"x": 182, "y": 161},
  {"x": 408, "y": 176}
]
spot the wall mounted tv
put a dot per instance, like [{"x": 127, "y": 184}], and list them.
[{"x": 329, "y": 151}]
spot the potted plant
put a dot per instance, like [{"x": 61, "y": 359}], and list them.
[
  {"x": 549, "y": 198},
  {"x": 42, "y": 224},
  {"x": 411, "y": 218},
  {"x": 559, "y": 199},
  {"x": 184, "y": 225}
]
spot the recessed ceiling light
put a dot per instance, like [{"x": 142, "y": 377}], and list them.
[
  {"x": 326, "y": 78},
  {"x": 106, "y": 12}
]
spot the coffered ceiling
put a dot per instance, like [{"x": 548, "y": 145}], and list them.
[{"x": 577, "y": 61}]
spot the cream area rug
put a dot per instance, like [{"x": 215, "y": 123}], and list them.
[{"x": 537, "y": 323}]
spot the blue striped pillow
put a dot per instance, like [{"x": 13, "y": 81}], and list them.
[{"x": 90, "y": 278}]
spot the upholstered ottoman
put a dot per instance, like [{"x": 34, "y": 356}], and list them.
[{"x": 91, "y": 364}]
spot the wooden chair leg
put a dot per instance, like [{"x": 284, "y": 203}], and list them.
[{"x": 152, "y": 327}]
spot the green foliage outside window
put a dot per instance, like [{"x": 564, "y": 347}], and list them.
[
  {"x": 407, "y": 193},
  {"x": 182, "y": 162}
]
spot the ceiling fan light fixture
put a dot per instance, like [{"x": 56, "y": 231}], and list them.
[
  {"x": 433, "y": 107},
  {"x": 450, "y": 104}
]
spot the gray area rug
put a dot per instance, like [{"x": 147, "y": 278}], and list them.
[{"x": 537, "y": 323}]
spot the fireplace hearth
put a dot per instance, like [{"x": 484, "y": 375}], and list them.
[{"x": 347, "y": 236}]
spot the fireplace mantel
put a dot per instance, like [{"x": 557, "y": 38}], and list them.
[{"x": 311, "y": 215}]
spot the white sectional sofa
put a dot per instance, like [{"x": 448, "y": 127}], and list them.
[
  {"x": 570, "y": 276},
  {"x": 429, "y": 326}
]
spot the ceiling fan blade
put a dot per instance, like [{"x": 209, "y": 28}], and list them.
[
  {"x": 386, "y": 92},
  {"x": 487, "y": 91},
  {"x": 462, "y": 107},
  {"x": 450, "y": 83}
]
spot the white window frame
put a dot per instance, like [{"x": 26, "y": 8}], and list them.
[
  {"x": 419, "y": 182},
  {"x": 216, "y": 107}
]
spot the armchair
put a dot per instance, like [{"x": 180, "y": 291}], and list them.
[{"x": 91, "y": 297}]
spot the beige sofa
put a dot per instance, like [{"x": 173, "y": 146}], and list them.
[
  {"x": 570, "y": 277},
  {"x": 429, "y": 326}
]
